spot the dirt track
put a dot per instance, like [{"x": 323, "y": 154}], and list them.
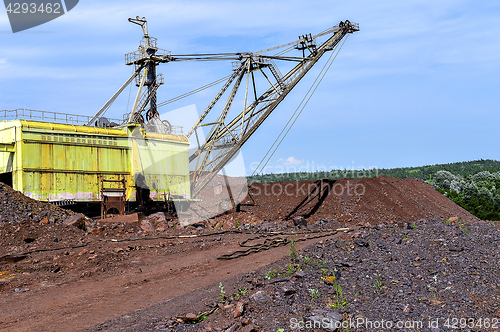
[{"x": 141, "y": 279}]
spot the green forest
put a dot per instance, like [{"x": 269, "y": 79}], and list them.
[{"x": 474, "y": 185}]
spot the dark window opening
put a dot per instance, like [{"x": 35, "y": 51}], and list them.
[{"x": 6, "y": 178}]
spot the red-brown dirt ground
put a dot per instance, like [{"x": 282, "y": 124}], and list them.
[{"x": 73, "y": 280}]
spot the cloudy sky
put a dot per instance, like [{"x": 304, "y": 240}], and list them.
[{"x": 418, "y": 85}]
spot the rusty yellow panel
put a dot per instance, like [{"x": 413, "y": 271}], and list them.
[
  {"x": 59, "y": 161},
  {"x": 113, "y": 160},
  {"x": 164, "y": 164},
  {"x": 6, "y": 162},
  {"x": 8, "y": 135}
]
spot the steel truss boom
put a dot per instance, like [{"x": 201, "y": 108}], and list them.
[{"x": 225, "y": 139}]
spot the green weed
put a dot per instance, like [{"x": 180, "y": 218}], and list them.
[
  {"x": 378, "y": 285},
  {"x": 289, "y": 270},
  {"x": 241, "y": 291},
  {"x": 222, "y": 293},
  {"x": 463, "y": 227},
  {"x": 339, "y": 300},
  {"x": 294, "y": 256},
  {"x": 271, "y": 274},
  {"x": 314, "y": 293}
]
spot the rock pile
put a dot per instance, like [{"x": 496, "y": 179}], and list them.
[{"x": 16, "y": 208}]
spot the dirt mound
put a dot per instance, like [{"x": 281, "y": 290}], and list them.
[
  {"x": 16, "y": 208},
  {"x": 27, "y": 224},
  {"x": 359, "y": 201}
]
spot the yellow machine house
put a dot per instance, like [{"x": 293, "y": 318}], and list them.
[{"x": 64, "y": 163}]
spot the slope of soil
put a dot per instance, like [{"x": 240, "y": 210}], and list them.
[{"x": 351, "y": 201}]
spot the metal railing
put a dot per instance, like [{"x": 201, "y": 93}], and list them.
[
  {"x": 46, "y": 116},
  {"x": 74, "y": 119},
  {"x": 133, "y": 57}
]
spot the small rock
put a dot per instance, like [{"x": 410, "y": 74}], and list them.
[
  {"x": 232, "y": 328},
  {"x": 249, "y": 328},
  {"x": 246, "y": 321},
  {"x": 238, "y": 310},
  {"x": 146, "y": 226},
  {"x": 260, "y": 297},
  {"x": 78, "y": 221},
  {"x": 327, "y": 319},
  {"x": 117, "y": 250},
  {"x": 158, "y": 220},
  {"x": 276, "y": 280},
  {"x": 287, "y": 291},
  {"x": 189, "y": 317},
  {"x": 457, "y": 248},
  {"x": 321, "y": 222},
  {"x": 300, "y": 221},
  {"x": 361, "y": 242},
  {"x": 97, "y": 230}
]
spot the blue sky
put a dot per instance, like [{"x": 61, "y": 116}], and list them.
[{"x": 417, "y": 85}]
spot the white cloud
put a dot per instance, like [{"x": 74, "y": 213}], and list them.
[{"x": 290, "y": 161}]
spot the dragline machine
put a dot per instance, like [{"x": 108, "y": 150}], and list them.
[{"x": 141, "y": 151}]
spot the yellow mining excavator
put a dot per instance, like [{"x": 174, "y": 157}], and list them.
[{"x": 68, "y": 159}]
